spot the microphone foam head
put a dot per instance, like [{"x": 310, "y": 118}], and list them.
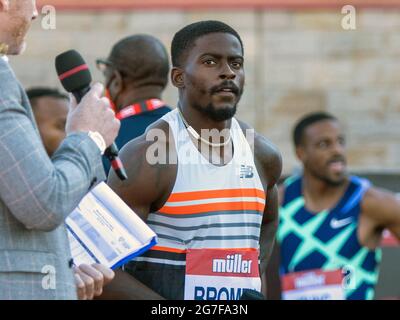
[{"x": 73, "y": 71}]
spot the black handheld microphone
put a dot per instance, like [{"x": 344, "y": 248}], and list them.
[{"x": 75, "y": 77}]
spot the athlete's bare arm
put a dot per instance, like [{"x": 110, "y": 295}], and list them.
[
  {"x": 146, "y": 190},
  {"x": 269, "y": 166},
  {"x": 272, "y": 276},
  {"x": 380, "y": 210}
]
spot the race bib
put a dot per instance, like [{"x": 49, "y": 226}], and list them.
[
  {"x": 313, "y": 285},
  {"x": 221, "y": 274},
  {"x": 389, "y": 240}
]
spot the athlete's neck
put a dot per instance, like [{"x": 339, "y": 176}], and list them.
[
  {"x": 319, "y": 194},
  {"x": 139, "y": 94},
  {"x": 198, "y": 120}
]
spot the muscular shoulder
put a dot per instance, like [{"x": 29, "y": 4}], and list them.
[
  {"x": 377, "y": 200},
  {"x": 267, "y": 156},
  {"x": 151, "y": 173},
  {"x": 380, "y": 209}
]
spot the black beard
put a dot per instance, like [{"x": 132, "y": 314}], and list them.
[
  {"x": 333, "y": 183},
  {"x": 329, "y": 182},
  {"x": 215, "y": 114}
]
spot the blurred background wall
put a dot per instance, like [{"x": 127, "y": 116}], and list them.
[{"x": 298, "y": 59}]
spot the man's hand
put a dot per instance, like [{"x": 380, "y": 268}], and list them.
[
  {"x": 93, "y": 113},
  {"x": 90, "y": 280}
]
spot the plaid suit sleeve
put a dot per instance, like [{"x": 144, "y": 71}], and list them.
[{"x": 40, "y": 192}]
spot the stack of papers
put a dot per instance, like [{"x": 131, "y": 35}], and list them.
[{"x": 103, "y": 229}]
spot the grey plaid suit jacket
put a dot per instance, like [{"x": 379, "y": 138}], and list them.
[{"x": 36, "y": 195}]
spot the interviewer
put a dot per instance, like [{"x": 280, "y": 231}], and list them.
[{"x": 36, "y": 192}]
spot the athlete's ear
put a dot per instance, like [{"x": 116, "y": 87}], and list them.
[
  {"x": 177, "y": 77},
  {"x": 300, "y": 153}
]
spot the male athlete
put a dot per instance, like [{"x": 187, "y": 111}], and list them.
[
  {"x": 330, "y": 223},
  {"x": 213, "y": 203}
]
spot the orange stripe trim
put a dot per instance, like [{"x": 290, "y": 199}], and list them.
[
  {"x": 222, "y": 206},
  {"x": 159, "y": 248},
  {"x": 212, "y": 194},
  {"x": 167, "y": 249}
]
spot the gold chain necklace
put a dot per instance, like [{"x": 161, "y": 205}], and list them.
[{"x": 198, "y": 137}]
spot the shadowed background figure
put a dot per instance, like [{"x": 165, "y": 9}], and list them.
[{"x": 135, "y": 76}]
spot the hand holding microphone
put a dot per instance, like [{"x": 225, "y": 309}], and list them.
[{"x": 91, "y": 112}]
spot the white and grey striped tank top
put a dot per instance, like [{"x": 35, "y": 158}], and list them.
[{"x": 213, "y": 207}]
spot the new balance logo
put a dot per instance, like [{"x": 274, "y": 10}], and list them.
[
  {"x": 233, "y": 263},
  {"x": 246, "y": 172}
]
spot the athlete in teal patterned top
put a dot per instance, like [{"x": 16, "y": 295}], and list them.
[
  {"x": 329, "y": 220},
  {"x": 328, "y": 240}
]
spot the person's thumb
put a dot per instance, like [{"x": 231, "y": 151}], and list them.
[
  {"x": 72, "y": 102},
  {"x": 95, "y": 93},
  {"x": 97, "y": 90}
]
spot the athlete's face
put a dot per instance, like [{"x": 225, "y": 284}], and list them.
[
  {"x": 213, "y": 75},
  {"x": 322, "y": 152}
]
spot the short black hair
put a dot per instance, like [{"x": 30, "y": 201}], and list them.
[
  {"x": 40, "y": 92},
  {"x": 185, "y": 38},
  {"x": 307, "y": 121},
  {"x": 142, "y": 58}
]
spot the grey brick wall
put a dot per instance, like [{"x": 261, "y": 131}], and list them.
[{"x": 296, "y": 62}]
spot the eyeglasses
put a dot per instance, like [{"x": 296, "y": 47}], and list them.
[{"x": 102, "y": 64}]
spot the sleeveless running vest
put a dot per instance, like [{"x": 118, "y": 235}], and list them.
[
  {"x": 209, "y": 228},
  {"x": 327, "y": 241}
]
